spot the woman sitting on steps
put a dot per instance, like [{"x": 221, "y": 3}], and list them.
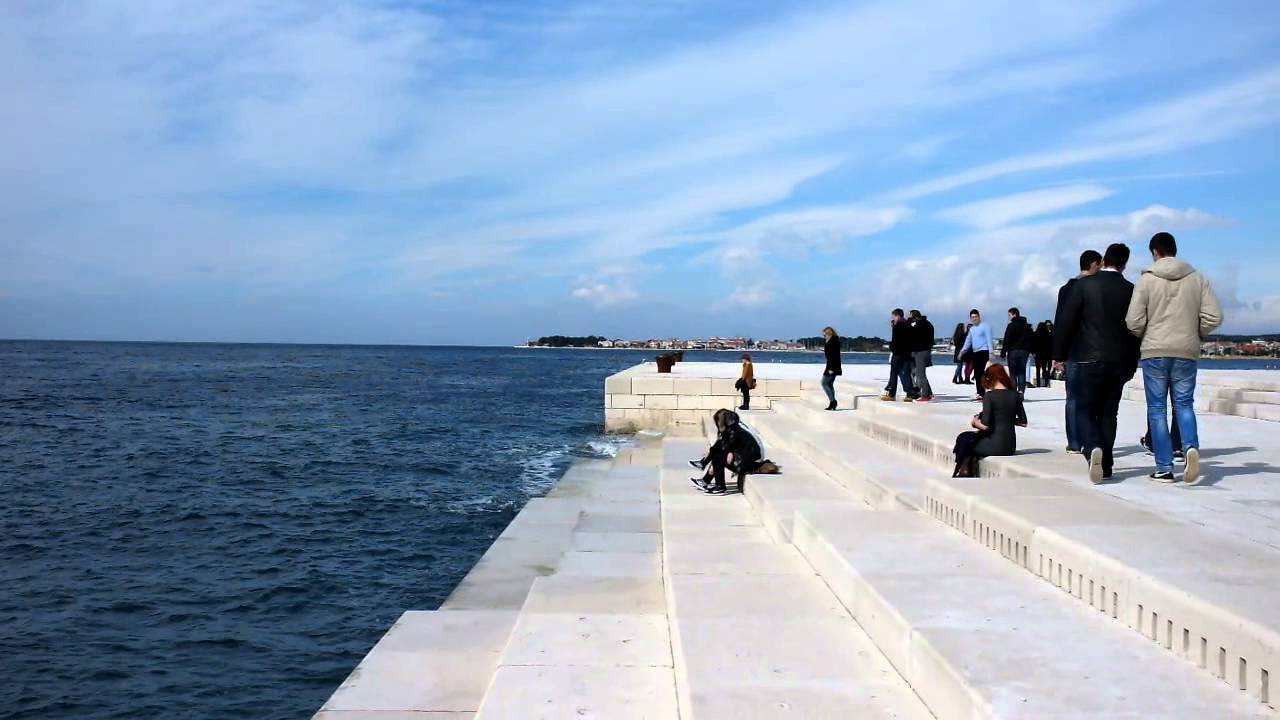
[{"x": 993, "y": 429}]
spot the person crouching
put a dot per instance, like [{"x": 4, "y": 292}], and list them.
[{"x": 737, "y": 448}]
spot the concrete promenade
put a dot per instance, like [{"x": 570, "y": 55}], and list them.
[{"x": 863, "y": 581}]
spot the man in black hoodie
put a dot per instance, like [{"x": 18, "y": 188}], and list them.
[
  {"x": 922, "y": 354},
  {"x": 1017, "y": 348},
  {"x": 1090, "y": 263},
  {"x": 899, "y": 357},
  {"x": 1093, "y": 329}
]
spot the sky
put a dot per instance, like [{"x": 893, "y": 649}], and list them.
[{"x": 482, "y": 172}]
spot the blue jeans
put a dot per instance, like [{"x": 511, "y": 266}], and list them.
[
  {"x": 900, "y": 368},
  {"x": 1073, "y": 398},
  {"x": 1018, "y": 369},
  {"x": 829, "y": 386},
  {"x": 1160, "y": 376}
]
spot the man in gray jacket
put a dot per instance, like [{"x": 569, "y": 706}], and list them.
[{"x": 1172, "y": 310}]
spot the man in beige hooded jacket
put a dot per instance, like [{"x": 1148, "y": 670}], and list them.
[{"x": 1172, "y": 310}]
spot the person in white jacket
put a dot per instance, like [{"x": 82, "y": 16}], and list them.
[{"x": 1172, "y": 310}]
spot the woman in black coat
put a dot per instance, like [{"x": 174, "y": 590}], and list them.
[
  {"x": 993, "y": 431},
  {"x": 831, "y": 348},
  {"x": 1042, "y": 342}
]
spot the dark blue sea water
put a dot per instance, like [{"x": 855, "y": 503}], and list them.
[{"x": 218, "y": 531}]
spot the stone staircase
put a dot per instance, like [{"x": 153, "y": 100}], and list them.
[
  {"x": 861, "y": 582},
  {"x": 1081, "y": 565}
]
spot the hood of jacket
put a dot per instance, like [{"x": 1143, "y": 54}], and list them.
[{"x": 1170, "y": 268}]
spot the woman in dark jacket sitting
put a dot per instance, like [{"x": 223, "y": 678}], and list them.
[{"x": 993, "y": 434}]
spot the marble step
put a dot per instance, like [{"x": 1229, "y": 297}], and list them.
[
  {"x": 975, "y": 637},
  {"x": 848, "y": 456},
  {"x": 429, "y": 664},
  {"x": 591, "y": 638},
  {"x": 756, "y": 635}
]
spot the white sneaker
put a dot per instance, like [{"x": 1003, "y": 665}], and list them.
[
  {"x": 1192, "y": 474},
  {"x": 1095, "y": 466}
]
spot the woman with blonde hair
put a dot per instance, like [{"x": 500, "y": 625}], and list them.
[
  {"x": 831, "y": 348},
  {"x": 746, "y": 382}
]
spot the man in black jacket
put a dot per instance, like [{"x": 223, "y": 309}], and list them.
[
  {"x": 1093, "y": 328},
  {"x": 922, "y": 354},
  {"x": 899, "y": 358},
  {"x": 1017, "y": 348},
  {"x": 1090, "y": 264}
]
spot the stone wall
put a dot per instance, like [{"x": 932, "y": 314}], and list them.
[{"x": 640, "y": 399}]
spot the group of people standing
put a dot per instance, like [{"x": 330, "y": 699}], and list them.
[
  {"x": 1104, "y": 329},
  {"x": 1108, "y": 327}
]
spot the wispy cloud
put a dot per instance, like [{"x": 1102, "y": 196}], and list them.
[{"x": 1001, "y": 211}]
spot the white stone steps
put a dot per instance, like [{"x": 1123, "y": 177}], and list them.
[
  {"x": 429, "y": 664},
  {"x": 591, "y": 638},
  {"x": 1032, "y": 510},
  {"x": 755, "y": 633},
  {"x": 977, "y": 638},
  {"x": 882, "y": 479}
]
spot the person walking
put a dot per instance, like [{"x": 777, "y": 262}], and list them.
[
  {"x": 957, "y": 343},
  {"x": 900, "y": 342},
  {"x": 746, "y": 382},
  {"x": 1042, "y": 342},
  {"x": 967, "y": 358},
  {"x": 1090, "y": 264},
  {"x": 1017, "y": 348},
  {"x": 978, "y": 344},
  {"x": 1093, "y": 327},
  {"x": 831, "y": 348},
  {"x": 1172, "y": 310},
  {"x": 922, "y": 354}
]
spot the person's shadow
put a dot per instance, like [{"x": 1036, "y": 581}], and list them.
[{"x": 1211, "y": 473}]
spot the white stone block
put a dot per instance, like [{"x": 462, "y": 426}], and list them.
[
  {"x": 717, "y": 402},
  {"x": 618, "y": 384},
  {"x": 608, "y": 564},
  {"x": 579, "y": 594},
  {"x": 589, "y": 640},
  {"x": 689, "y": 402},
  {"x": 782, "y": 388},
  {"x": 427, "y": 662},
  {"x": 723, "y": 386},
  {"x": 660, "y": 402},
  {"x": 616, "y": 542},
  {"x": 687, "y": 416},
  {"x": 626, "y": 401},
  {"x": 693, "y": 386},
  {"x": 555, "y": 693},
  {"x": 653, "y": 386}
]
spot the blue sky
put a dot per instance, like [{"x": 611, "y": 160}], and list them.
[{"x": 481, "y": 172}]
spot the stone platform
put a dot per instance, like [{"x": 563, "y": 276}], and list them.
[{"x": 861, "y": 582}]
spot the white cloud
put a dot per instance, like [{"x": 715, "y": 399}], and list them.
[
  {"x": 604, "y": 295},
  {"x": 1001, "y": 211},
  {"x": 1019, "y": 265}
]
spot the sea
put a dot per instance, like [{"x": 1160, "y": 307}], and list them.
[{"x": 223, "y": 531}]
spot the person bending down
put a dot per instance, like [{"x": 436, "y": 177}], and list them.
[
  {"x": 993, "y": 428},
  {"x": 737, "y": 448}
]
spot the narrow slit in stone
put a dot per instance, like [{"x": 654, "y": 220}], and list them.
[
  {"x": 1264, "y": 692},
  {"x": 1222, "y": 663},
  {"x": 1168, "y": 635},
  {"x": 1186, "y": 642},
  {"x": 1244, "y": 674}
]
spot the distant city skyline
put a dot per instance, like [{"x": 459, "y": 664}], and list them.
[{"x": 443, "y": 172}]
